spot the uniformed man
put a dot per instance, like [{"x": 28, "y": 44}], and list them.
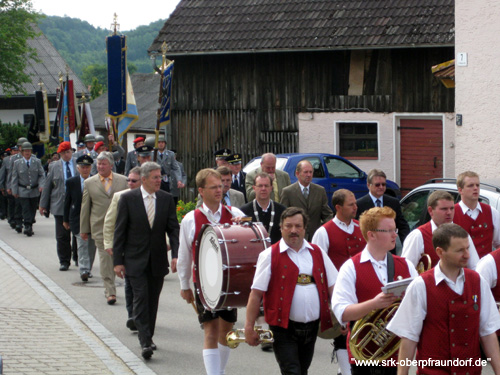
[
  {"x": 27, "y": 181},
  {"x": 89, "y": 141},
  {"x": 238, "y": 176},
  {"x": 17, "y": 210},
  {"x": 131, "y": 161},
  {"x": 220, "y": 157},
  {"x": 3, "y": 194},
  {"x": 166, "y": 159}
]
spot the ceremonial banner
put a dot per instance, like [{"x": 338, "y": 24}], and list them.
[
  {"x": 70, "y": 95},
  {"x": 54, "y": 136},
  {"x": 117, "y": 75},
  {"x": 64, "y": 126},
  {"x": 87, "y": 122},
  {"x": 131, "y": 115},
  {"x": 166, "y": 94}
]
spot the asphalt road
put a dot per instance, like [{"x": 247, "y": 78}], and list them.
[{"x": 178, "y": 334}]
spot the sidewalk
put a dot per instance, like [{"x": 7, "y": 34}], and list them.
[{"x": 44, "y": 331}]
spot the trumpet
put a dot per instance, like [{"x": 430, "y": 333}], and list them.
[{"x": 237, "y": 336}]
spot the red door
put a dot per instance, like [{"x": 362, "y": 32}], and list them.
[{"x": 421, "y": 152}]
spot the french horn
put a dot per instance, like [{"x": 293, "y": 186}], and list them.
[
  {"x": 370, "y": 340},
  {"x": 424, "y": 264}
]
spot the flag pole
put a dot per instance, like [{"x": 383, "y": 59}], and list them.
[{"x": 159, "y": 70}]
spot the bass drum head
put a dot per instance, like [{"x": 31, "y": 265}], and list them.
[{"x": 210, "y": 268}]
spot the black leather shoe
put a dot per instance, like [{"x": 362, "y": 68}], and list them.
[
  {"x": 147, "y": 352},
  {"x": 19, "y": 229},
  {"x": 28, "y": 232},
  {"x": 153, "y": 345},
  {"x": 85, "y": 276},
  {"x": 63, "y": 267},
  {"x": 131, "y": 325}
]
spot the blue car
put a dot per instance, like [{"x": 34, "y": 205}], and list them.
[{"x": 333, "y": 172}]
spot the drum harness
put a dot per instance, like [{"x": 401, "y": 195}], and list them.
[{"x": 210, "y": 217}]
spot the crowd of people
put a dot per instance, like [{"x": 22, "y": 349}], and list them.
[{"x": 321, "y": 267}]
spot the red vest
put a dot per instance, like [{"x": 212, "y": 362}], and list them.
[
  {"x": 426, "y": 231},
  {"x": 199, "y": 220},
  {"x": 480, "y": 230},
  {"x": 279, "y": 295},
  {"x": 343, "y": 245},
  {"x": 496, "y": 290},
  {"x": 368, "y": 285},
  {"x": 451, "y": 326}
]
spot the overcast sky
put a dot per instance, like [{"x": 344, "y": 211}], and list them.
[{"x": 99, "y": 13}]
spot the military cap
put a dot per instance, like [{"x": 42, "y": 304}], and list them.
[
  {"x": 144, "y": 150},
  {"x": 6, "y": 153},
  {"x": 99, "y": 138},
  {"x": 98, "y": 144},
  {"x": 80, "y": 144},
  {"x": 234, "y": 159},
  {"x": 138, "y": 139},
  {"x": 14, "y": 148},
  {"x": 21, "y": 140},
  {"x": 89, "y": 138},
  {"x": 85, "y": 160},
  {"x": 27, "y": 146},
  {"x": 150, "y": 141},
  {"x": 161, "y": 138},
  {"x": 64, "y": 146},
  {"x": 222, "y": 153}
]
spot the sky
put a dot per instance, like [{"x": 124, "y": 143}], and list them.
[{"x": 100, "y": 13}]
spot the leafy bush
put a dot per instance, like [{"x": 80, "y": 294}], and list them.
[{"x": 183, "y": 208}]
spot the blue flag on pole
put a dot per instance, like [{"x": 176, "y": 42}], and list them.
[
  {"x": 167, "y": 94},
  {"x": 64, "y": 126},
  {"x": 130, "y": 116}
]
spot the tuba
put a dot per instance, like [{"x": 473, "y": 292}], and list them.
[
  {"x": 237, "y": 336},
  {"x": 370, "y": 340}
]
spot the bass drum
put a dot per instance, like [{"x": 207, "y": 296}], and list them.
[{"x": 225, "y": 260}]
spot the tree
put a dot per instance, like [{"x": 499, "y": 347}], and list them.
[
  {"x": 99, "y": 71},
  {"x": 16, "y": 20},
  {"x": 96, "y": 89}
]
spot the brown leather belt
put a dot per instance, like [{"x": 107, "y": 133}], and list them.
[{"x": 304, "y": 279}]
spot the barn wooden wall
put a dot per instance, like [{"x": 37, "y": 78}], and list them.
[{"x": 249, "y": 102}]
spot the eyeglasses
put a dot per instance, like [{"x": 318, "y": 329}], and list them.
[
  {"x": 386, "y": 230},
  {"x": 131, "y": 180},
  {"x": 379, "y": 184}
]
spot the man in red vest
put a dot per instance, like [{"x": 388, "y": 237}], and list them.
[
  {"x": 295, "y": 279},
  {"x": 341, "y": 238},
  {"x": 447, "y": 313},
  {"x": 215, "y": 323},
  {"x": 480, "y": 220},
  {"x": 358, "y": 288},
  {"x": 441, "y": 207}
]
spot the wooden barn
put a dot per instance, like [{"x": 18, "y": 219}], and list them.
[{"x": 334, "y": 76}]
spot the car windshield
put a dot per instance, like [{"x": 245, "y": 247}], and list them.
[{"x": 338, "y": 168}]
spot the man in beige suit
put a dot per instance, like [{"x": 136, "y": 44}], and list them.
[
  {"x": 308, "y": 196},
  {"x": 97, "y": 194},
  {"x": 134, "y": 182},
  {"x": 280, "y": 179}
]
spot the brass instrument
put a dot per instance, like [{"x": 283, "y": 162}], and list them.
[
  {"x": 424, "y": 264},
  {"x": 370, "y": 340},
  {"x": 237, "y": 336}
]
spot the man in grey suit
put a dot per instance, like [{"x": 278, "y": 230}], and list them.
[
  {"x": 28, "y": 178},
  {"x": 280, "y": 179},
  {"x": 131, "y": 160},
  {"x": 52, "y": 200},
  {"x": 89, "y": 141},
  {"x": 169, "y": 168},
  {"x": 311, "y": 197},
  {"x": 230, "y": 197},
  {"x": 98, "y": 192}
]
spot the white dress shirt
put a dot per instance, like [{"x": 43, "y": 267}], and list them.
[
  {"x": 413, "y": 247},
  {"x": 305, "y": 302},
  {"x": 321, "y": 239},
  {"x": 344, "y": 293},
  {"x": 487, "y": 268},
  {"x": 186, "y": 238},
  {"x": 495, "y": 218},
  {"x": 409, "y": 318}
]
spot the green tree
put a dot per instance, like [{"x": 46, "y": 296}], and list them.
[
  {"x": 96, "y": 89},
  {"x": 16, "y": 18},
  {"x": 9, "y": 134},
  {"x": 99, "y": 71}
]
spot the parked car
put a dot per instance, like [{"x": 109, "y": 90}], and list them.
[
  {"x": 414, "y": 204},
  {"x": 333, "y": 172}
]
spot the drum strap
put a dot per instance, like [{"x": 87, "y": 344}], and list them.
[
  {"x": 390, "y": 268},
  {"x": 256, "y": 213}
]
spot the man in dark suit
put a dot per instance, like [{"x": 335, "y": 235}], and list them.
[
  {"x": 71, "y": 216},
  {"x": 308, "y": 196},
  {"x": 238, "y": 177},
  {"x": 376, "y": 182},
  {"x": 263, "y": 209},
  {"x": 140, "y": 248}
]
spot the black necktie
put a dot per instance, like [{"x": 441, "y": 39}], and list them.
[
  {"x": 28, "y": 163},
  {"x": 68, "y": 171},
  {"x": 378, "y": 203}
]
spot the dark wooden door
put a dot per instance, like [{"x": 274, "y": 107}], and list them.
[{"x": 421, "y": 152}]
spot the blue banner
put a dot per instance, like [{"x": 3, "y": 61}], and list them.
[
  {"x": 167, "y": 94},
  {"x": 117, "y": 74},
  {"x": 64, "y": 126}
]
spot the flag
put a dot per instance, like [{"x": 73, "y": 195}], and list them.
[
  {"x": 54, "y": 136},
  {"x": 87, "y": 122},
  {"x": 166, "y": 94},
  {"x": 64, "y": 129},
  {"x": 39, "y": 127},
  {"x": 70, "y": 97},
  {"x": 122, "y": 108},
  {"x": 130, "y": 116},
  {"x": 44, "y": 126}
]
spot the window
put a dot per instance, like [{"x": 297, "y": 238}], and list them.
[
  {"x": 340, "y": 169},
  {"x": 358, "y": 139}
]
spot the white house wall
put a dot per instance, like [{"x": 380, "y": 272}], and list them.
[
  {"x": 318, "y": 133},
  {"x": 477, "y": 93}
]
